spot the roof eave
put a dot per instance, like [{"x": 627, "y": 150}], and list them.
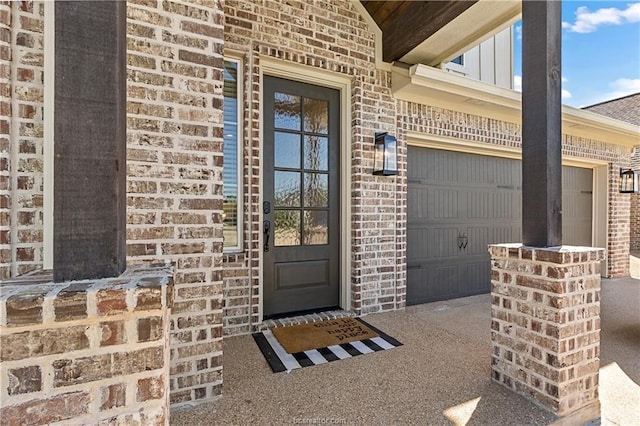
[{"x": 427, "y": 85}]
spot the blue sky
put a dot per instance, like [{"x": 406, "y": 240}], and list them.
[{"x": 600, "y": 51}]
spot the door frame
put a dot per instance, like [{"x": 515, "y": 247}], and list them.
[
  {"x": 599, "y": 214},
  {"x": 304, "y": 74}
]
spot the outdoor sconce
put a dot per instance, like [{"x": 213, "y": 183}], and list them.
[
  {"x": 628, "y": 181},
  {"x": 385, "y": 160}
]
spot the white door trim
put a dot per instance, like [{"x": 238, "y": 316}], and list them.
[{"x": 333, "y": 80}]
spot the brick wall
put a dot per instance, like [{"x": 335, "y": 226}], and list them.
[
  {"x": 174, "y": 184},
  {"x": 545, "y": 327},
  {"x": 86, "y": 351},
  {"x": 21, "y": 143},
  {"x": 174, "y": 156},
  {"x": 635, "y": 205},
  {"x": 330, "y": 36},
  {"x": 619, "y": 222}
]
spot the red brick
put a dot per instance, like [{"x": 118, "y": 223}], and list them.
[
  {"x": 112, "y": 333},
  {"x": 24, "y": 309},
  {"x": 150, "y": 388},
  {"x": 24, "y": 380},
  {"x": 150, "y": 329},
  {"x": 88, "y": 369},
  {"x": 111, "y": 301},
  {"x": 28, "y": 344},
  {"x": 112, "y": 396},
  {"x": 148, "y": 298},
  {"x": 71, "y": 302},
  {"x": 43, "y": 411}
]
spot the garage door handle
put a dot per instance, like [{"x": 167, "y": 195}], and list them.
[{"x": 463, "y": 241}]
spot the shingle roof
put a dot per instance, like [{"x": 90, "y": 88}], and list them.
[{"x": 626, "y": 108}]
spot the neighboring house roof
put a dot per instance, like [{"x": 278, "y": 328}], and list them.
[{"x": 626, "y": 108}]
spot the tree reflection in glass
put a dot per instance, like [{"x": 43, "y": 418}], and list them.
[{"x": 301, "y": 146}]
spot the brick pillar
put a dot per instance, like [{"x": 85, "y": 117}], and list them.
[{"x": 546, "y": 326}]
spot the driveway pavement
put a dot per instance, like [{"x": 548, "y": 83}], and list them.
[{"x": 441, "y": 375}]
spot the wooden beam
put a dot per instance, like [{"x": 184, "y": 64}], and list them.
[
  {"x": 90, "y": 140},
  {"x": 541, "y": 124},
  {"x": 415, "y": 21},
  {"x": 381, "y": 10}
]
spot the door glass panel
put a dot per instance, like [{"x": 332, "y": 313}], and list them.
[
  {"x": 316, "y": 228},
  {"x": 316, "y": 189},
  {"x": 287, "y": 150},
  {"x": 287, "y": 232},
  {"x": 287, "y": 111},
  {"x": 286, "y": 189},
  {"x": 316, "y": 116},
  {"x": 316, "y": 153}
]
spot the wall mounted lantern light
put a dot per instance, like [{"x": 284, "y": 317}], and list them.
[
  {"x": 385, "y": 155},
  {"x": 628, "y": 181}
]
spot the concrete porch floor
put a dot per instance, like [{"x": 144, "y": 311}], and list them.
[{"x": 440, "y": 376}]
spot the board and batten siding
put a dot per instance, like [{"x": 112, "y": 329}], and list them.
[{"x": 491, "y": 61}]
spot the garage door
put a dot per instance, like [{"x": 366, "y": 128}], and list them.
[{"x": 459, "y": 203}]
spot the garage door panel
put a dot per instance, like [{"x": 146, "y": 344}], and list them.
[
  {"x": 443, "y": 168},
  {"x": 416, "y": 282},
  {"x": 440, "y": 276},
  {"x": 476, "y": 237},
  {"x": 418, "y": 239},
  {"x": 429, "y": 282},
  {"x": 445, "y": 203},
  {"x": 439, "y": 167},
  {"x": 492, "y": 204},
  {"x": 577, "y": 234},
  {"x": 490, "y": 171},
  {"x": 474, "y": 274},
  {"x": 577, "y": 202},
  {"x": 480, "y": 236},
  {"x": 453, "y": 194},
  {"x": 442, "y": 243},
  {"x": 420, "y": 203}
]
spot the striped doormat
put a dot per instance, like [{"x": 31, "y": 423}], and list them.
[{"x": 280, "y": 360}]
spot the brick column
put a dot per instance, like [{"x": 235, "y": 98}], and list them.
[
  {"x": 546, "y": 326},
  {"x": 86, "y": 352}
]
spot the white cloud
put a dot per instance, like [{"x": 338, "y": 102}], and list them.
[
  {"x": 587, "y": 21},
  {"x": 619, "y": 88},
  {"x": 517, "y": 86},
  {"x": 517, "y": 83},
  {"x": 518, "y": 29},
  {"x": 623, "y": 87}
]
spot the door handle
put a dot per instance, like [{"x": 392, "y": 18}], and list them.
[
  {"x": 463, "y": 240},
  {"x": 267, "y": 232}
]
